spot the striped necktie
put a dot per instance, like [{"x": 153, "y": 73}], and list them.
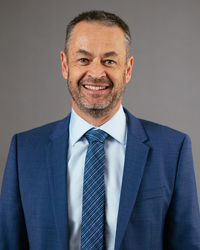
[{"x": 93, "y": 210}]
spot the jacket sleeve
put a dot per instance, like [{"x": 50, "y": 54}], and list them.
[
  {"x": 182, "y": 224},
  {"x": 13, "y": 235}
]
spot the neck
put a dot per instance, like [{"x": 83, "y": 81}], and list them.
[{"x": 95, "y": 121}]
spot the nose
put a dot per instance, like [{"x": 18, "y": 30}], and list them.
[{"x": 96, "y": 70}]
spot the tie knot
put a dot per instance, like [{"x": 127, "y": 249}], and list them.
[{"x": 96, "y": 135}]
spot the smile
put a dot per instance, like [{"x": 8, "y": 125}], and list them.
[{"x": 94, "y": 87}]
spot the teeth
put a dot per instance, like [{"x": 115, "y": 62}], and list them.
[{"x": 93, "y": 87}]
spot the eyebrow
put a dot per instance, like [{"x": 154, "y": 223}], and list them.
[
  {"x": 86, "y": 53},
  {"x": 111, "y": 53}
]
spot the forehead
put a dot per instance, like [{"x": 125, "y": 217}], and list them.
[{"x": 97, "y": 36}]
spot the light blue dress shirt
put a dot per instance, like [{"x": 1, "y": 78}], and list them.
[{"x": 115, "y": 146}]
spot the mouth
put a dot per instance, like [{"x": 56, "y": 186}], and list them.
[{"x": 95, "y": 87}]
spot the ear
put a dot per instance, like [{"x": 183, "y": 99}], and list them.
[
  {"x": 129, "y": 66},
  {"x": 64, "y": 64}
]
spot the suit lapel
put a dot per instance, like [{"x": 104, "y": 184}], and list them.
[
  {"x": 56, "y": 152},
  {"x": 135, "y": 159}
]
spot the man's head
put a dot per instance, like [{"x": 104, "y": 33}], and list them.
[
  {"x": 96, "y": 65},
  {"x": 106, "y": 19}
]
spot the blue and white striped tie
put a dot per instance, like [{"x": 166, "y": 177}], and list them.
[{"x": 93, "y": 211}]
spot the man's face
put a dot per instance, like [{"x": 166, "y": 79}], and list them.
[{"x": 96, "y": 69}]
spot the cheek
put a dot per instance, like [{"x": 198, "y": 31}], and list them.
[
  {"x": 117, "y": 77},
  {"x": 75, "y": 75}
]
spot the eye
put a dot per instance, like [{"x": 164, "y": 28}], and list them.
[
  {"x": 83, "y": 60},
  {"x": 109, "y": 62}
]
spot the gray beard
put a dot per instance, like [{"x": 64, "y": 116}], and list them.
[
  {"x": 100, "y": 111},
  {"x": 96, "y": 111}
]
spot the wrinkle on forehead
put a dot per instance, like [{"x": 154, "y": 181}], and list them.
[{"x": 93, "y": 37}]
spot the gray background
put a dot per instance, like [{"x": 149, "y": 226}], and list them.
[{"x": 165, "y": 81}]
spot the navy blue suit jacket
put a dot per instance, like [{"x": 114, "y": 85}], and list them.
[{"x": 158, "y": 205}]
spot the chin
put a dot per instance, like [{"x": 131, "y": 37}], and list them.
[{"x": 97, "y": 111}]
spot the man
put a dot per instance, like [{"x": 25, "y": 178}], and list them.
[{"x": 148, "y": 200}]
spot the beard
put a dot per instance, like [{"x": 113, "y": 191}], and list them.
[{"x": 96, "y": 109}]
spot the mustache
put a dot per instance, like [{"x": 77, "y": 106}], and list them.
[{"x": 96, "y": 80}]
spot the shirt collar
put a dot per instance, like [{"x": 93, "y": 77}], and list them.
[{"x": 115, "y": 127}]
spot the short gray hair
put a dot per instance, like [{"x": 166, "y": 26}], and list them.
[{"x": 105, "y": 18}]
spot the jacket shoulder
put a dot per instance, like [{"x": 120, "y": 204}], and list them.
[
  {"x": 155, "y": 132},
  {"x": 151, "y": 129},
  {"x": 44, "y": 132},
  {"x": 163, "y": 136},
  {"x": 156, "y": 128}
]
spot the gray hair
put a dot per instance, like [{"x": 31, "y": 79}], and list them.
[{"x": 104, "y": 18}]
